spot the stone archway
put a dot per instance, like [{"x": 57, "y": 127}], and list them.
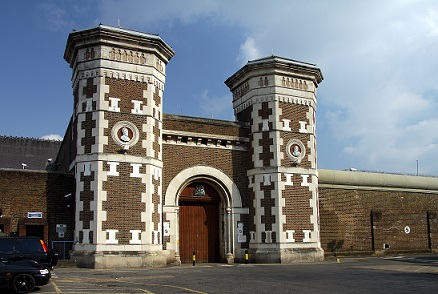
[{"x": 230, "y": 208}]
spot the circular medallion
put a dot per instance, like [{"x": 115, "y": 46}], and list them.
[
  {"x": 125, "y": 134},
  {"x": 296, "y": 150}
]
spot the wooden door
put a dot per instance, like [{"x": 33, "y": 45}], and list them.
[{"x": 199, "y": 226}]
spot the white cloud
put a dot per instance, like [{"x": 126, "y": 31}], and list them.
[
  {"x": 431, "y": 20},
  {"x": 55, "y": 16},
  {"x": 215, "y": 107},
  {"x": 248, "y": 51},
  {"x": 134, "y": 13},
  {"x": 53, "y": 137}
]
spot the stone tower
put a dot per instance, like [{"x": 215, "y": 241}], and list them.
[
  {"x": 276, "y": 97},
  {"x": 118, "y": 81}
]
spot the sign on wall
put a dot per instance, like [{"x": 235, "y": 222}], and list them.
[
  {"x": 241, "y": 238},
  {"x": 166, "y": 229},
  {"x": 61, "y": 229},
  {"x": 34, "y": 215}
]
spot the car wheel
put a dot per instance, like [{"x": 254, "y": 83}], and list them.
[{"x": 23, "y": 283}]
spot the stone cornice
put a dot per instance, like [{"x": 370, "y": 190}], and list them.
[{"x": 204, "y": 140}]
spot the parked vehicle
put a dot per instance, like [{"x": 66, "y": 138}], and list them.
[
  {"x": 23, "y": 275},
  {"x": 34, "y": 248}
]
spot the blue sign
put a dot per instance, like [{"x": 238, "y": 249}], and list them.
[{"x": 34, "y": 215}]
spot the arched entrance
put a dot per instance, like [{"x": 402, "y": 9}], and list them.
[
  {"x": 199, "y": 223},
  {"x": 230, "y": 211}
]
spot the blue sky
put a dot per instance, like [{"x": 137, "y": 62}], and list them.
[{"x": 377, "y": 106}]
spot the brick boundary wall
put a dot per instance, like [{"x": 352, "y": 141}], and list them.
[
  {"x": 51, "y": 193},
  {"x": 367, "y": 213}
]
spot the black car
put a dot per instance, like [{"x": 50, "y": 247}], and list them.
[
  {"x": 34, "y": 248},
  {"x": 22, "y": 276}
]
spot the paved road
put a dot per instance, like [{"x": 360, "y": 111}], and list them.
[{"x": 417, "y": 274}]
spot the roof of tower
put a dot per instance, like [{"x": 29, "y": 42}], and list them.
[
  {"x": 274, "y": 58},
  {"x": 276, "y": 63},
  {"x": 115, "y": 36},
  {"x": 122, "y": 30}
]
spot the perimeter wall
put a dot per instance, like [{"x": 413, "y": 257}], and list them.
[{"x": 373, "y": 213}]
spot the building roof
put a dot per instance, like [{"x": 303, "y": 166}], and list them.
[
  {"x": 376, "y": 181},
  {"x": 274, "y": 58},
  {"x": 272, "y": 64},
  {"x": 29, "y": 153},
  {"x": 115, "y": 36}
]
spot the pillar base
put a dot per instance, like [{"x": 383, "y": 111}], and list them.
[
  {"x": 177, "y": 259},
  {"x": 230, "y": 258},
  {"x": 99, "y": 260},
  {"x": 285, "y": 256}
]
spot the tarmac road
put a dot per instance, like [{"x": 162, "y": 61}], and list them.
[{"x": 409, "y": 274}]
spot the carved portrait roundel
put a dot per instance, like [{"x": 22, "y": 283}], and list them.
[
  {"x": 125, "y": 133},
  {"x": 296, "y": 150}
]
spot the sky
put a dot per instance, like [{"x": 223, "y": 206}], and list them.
[{"x": 377, "y": 105}]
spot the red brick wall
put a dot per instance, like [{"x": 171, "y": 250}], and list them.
[
  {"x": 67, "y": 151},
  {"x": 196, "y": 126},
  {"x": 245, "y": 115},
  {"x": 86, "y": 215},
  {"x": 60, "y": 192},
  {"x": 24, "y": 191},
  {"x": 295, "y": 113},
  {"x": 297, "y": 207},
  {"x": 126, "y": 90},
  {"x": 180, "y": 157},
  {"x": 123, "y": 205},
  {"x": 346, "y": 217}
]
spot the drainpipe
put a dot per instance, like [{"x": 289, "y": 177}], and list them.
[
  {"x": 372, "y": 230},
  {"x": 429, "y": 239}
]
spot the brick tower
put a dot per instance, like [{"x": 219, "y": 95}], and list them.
[
  {"x": 277, "y": 98},
  {"x": 118, "y": 81}
]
